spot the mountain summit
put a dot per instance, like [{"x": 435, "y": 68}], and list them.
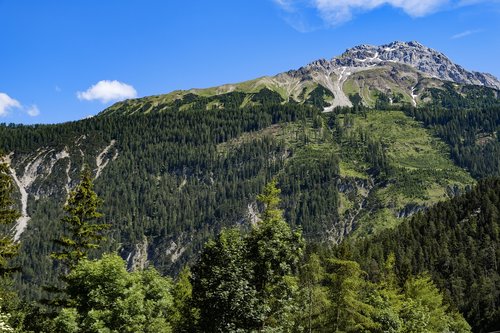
[
  {"x": 418, "y": 56},
  {"x": 400, "y": 65},
  {"x": 402, "y": 71}
]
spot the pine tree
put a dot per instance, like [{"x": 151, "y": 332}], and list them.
[
  {"x": 8, "y": 215},
  {"x": 8, "y": 248},
  {"x": 82, "y": 232},
  {"x": 275, "y": 251},
  {"x": 314, "y": 294}
]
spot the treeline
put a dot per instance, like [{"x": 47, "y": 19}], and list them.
[
  {"x": 466, "y": 117},
  {"x": 471, "y": 133},
  {"x": 457, "y": 243}
]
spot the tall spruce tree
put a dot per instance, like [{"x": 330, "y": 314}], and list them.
[
  {"x": 8, "y": 215},
  {"x": 82, "y": 233},
  {"x": 276, "y": 252}
]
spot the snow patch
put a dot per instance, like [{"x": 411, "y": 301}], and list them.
[{"x": 374, "y": 58}]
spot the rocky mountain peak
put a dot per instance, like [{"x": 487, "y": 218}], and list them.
[{"x": 426, "y": 60}]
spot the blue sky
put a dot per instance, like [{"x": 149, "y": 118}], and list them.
[{"x": 67, "y": 60}]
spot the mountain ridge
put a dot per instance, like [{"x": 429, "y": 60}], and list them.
[{"x": 406, "y": 68}]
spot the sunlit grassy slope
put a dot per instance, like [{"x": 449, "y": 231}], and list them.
[{"x": 421, "y": 171}]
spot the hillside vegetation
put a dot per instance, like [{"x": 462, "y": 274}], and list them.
[
  {"x": 173, "y": 178},
  {"x": 356, "y": 194}
]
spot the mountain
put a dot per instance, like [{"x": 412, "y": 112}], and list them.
[
  {"x": 403, "y": 69},
  {"x": 175, "y": 169}
]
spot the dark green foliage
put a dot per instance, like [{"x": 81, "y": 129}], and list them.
[
  {"x": 189, "y": 168},
  {"x": 249, "y": 282},
  {"x": 221, "y": 285},
  {"x": 457, "y": 242},
  {"x": 468, "y": 119},
  {"x": 8, "y": 215},
  {"x": 309, "y": 187},
  {"x": 390, "y": 101},
  {"x": 275, "y": 251},
  {"x": 383, "y": 101},
  {"x": 82, "y": 233},
  {"x": 453, "y": 96},
  {"x": 356, "y": 99},
  {"x": 185, "y": 316},
  {"x": 8, "y": 250},
  {"x": 171, "y": 177},
  {"x": 318, "y": 97},
  {"x": 267, "y": 97}
]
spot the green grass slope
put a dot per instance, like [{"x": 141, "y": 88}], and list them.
[{"x": 416, "y": 167}]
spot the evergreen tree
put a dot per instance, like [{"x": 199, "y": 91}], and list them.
[
  {"x": 9, "y": 311},
  {"x": 314, "y": 294},
  {"x": 275, "y": 252},
  {"x": 350, "y": 311},
  {"x": 185, "y": 317},
  {"x": 82, "y": 232},
  {"x": 8, "y": 215},
  {"x": 424, "y": 310}
]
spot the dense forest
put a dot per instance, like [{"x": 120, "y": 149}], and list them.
[
  {"x": 195, "y": 162},
  {"x": 469, "y": 122},
  {"x": 457, "y": 243},
  {"x": 264, "y": 279},
  {"x": 181, "y": 194}
]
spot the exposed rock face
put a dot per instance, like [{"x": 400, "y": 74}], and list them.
[
  {"x": 46, "y": 171},
  {"x": 424, "y": 59},
  {"x": 402, "y": 57}
]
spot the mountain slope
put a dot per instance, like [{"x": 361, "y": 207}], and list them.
[
  {"x": 174, "y": 169},
  {"x": 171, "y": 180},
  {"x": 458, "y": 243},
  {"x": 405, "y": 68}
]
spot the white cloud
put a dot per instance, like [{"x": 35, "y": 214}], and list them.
[
  {"x": 285, "y": 4},
  {"x": 465, "y": 34},
  {"x": 300, "y": 15},
  {"x": 335, "y": 12},
  {"x": 340, "y": 11},
  {"x": 107, "y": 91},
  {"x": 7, "y": 103},
  {"x": 32, "y": 110}
]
